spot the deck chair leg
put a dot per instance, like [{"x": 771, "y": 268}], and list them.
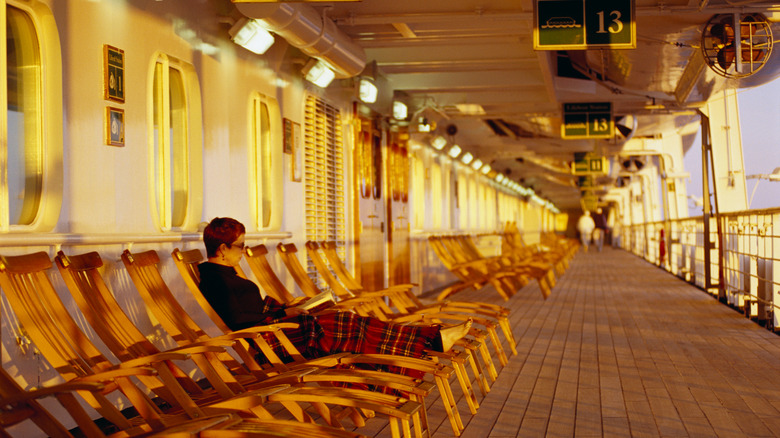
[
  {"x": 449, "y": 405},
  {"x": 324, "y": 412},
  {"x": 488, "y": 361},
  {"x": 297, "y": 411},
  {"x": 484, "y": 387},
  {"x": 465, "y": 384},
  {"x": 510, "y": 337},
  {"x": 497, "y": 346}
]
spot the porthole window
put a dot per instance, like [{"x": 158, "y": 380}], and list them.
[
  {"x": 176, "y": 144},
  {"x": 32, "y": 162},
  {"x": 264, "y": 160}
]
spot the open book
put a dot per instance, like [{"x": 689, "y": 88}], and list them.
[{"x": 318, "y": 302}]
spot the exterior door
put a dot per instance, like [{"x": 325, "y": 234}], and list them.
[
  {"x": 370, "y": 206},
  {"x": 397, "y": 174}
]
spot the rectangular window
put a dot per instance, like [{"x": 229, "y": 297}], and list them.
[{"x": 324, "y": 174}]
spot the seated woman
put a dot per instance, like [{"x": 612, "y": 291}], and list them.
[{"x": 240, "y": 305}]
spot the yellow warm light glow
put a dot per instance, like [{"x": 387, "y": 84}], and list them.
[
  {"x": 250, "y": 35},
  {"x": 476, "y": 164},
  {"x": 466, "y": 158},
  {"x": 439, "y": 142},
  {"x": 454, "y": 151}
]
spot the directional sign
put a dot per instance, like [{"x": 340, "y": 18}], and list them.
[
  {"x": 587, "y": 120},
  {"x": 588, "y": 164},
  {"x": 584, "y": 24}
]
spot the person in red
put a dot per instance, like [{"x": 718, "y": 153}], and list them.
[{"x": 239, "y": 303}]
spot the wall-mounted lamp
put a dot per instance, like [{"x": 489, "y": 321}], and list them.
[
  {"x": 438, "y": 142},
  {"x": 319, "y": 74},
  {"x": 467, "y": 158},
  {"x": 400, "y": 110},
  {"x": 367, "y": 91},
  {"x": 454, "y": 151},
  {"x": 423, "y": 125},
  {"x": 486, "y": 169},
  {"x": 249, "y": 34},
  {"x": 476, "y": 164}
]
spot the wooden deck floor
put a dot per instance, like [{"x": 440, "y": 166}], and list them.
[{"x": 622, "y": 348}]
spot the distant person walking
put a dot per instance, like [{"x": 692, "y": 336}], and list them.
[
  {"x": 601, "y": 228},
  {"x": 585, "y": 226}
]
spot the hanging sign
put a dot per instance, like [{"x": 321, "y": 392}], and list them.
[
  {"x": 584, "y": 24},
  {"x": 587, "y": 120},
  {"x": 588, "y": 163}
]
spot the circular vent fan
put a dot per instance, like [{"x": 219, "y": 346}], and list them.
[{"x": 735, "y": 45}]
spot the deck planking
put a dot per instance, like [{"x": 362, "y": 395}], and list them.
[{"x": 623, "y": 348}]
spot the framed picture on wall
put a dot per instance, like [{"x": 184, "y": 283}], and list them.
[
  {"x": 115, "y": 126},
  {"x": 114, "y": 74}
]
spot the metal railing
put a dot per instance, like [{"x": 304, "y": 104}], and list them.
[{"x": 744, "y": 260}]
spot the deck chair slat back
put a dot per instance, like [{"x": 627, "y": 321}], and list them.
[{"x": 256, "y": 257}]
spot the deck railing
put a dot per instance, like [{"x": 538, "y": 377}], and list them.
[{"x": 744, "y": 259}]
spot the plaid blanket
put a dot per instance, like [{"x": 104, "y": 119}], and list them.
[{"x": 345, "y": 332}]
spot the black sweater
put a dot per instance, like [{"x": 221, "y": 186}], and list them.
[{"x": 236, "y": 300}]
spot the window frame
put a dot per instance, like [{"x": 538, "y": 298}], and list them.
[
  {"x": 193, "y": 119},
  {"x": 50, "y": 129},
  {"x": 256, "y": 166}
]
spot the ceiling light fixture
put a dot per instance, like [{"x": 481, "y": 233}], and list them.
[
  {"x": 486, "y": 169},
  {"x": 476, "y": 164},
  {"x": 249, "y": 34},
  {"x": 466, "y": 158},
  {"x": 470, "y": 109},
  {"x": 439, "y": 142},
  {"x": 319, "y": 74},
  {"x": 367, "y": 91},
  {"x": 400, "y": 110},
  {"x": 455, "y": 150}
]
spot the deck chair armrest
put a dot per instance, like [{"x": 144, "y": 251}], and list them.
[
  {"x": 52, "y": 390},
  {"x": 110, "y": 375},
  {"x": 423, "y": 365},
  {"x": 210, "y": 346},
  {"x": 262, "y": 329},
  {"x": 213, "y": 345},
  {"x": 160, "y": 357}
]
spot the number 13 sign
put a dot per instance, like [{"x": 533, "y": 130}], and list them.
[{"x": 584, "y": 24}]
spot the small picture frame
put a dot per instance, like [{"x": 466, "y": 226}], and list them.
[
  {"x": 287, "y": 125},
  {"x": 297, "y": 152},
  {"x": 114, "y": 74},
  {"x": 115, "y": 126}
]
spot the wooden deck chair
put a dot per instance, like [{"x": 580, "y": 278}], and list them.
[
  {"x": 374, "y": 306},
  {"x": 187, "y": 262},
  {"x": 256, "y": 257},
  {"x": 469, "y": 274},
  {"x": 399, "y": 297},
  {"x": 499, "y": 313},
  {"x": 527, "y": 265},
  {"x": 19, "y": 406},
  {"x": 70, "y": 351},
  {"x": 143, "y": 270},
  {"x": 49, "y": 325}
]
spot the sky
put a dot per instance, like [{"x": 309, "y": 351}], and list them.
[{"x": 759, "y": 115}]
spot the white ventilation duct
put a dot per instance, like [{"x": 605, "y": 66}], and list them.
[{"x": 316, "y": 35}]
